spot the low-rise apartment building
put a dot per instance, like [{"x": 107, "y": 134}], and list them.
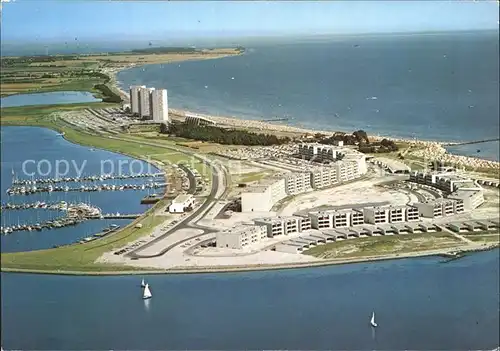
[
  {"x": 263, "y": 196},
  {"x": 412, "y": 213},
  {"x": 297, "y": 182},
  {"x": 241, "y": 236},
  {"x": 376, "y": 215},
  {"x": 323, "y": 177},
  {"x": 471, "y": 198},
  {"x": 396, "y": 214},
  {"x": 276, "y": 226}
]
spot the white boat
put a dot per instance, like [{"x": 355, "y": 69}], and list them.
[
  {"x": 147, "y": 293},
  {"x": 372, "y": 321},
  {"x": 143, "y": 284}
]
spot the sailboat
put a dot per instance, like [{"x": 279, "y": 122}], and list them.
[
  {"x": 147, "y": 293},
  {"x": 143, "y": 284},
  {"x": 372, "y": 321}
]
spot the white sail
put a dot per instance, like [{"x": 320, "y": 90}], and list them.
[
  {"x": 147, "y": 293},
  {"x": 143, "y": 284},
  {"x": 372, "y": 321}
]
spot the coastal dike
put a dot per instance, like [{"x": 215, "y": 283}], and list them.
[{"x": 262, "y": 267}]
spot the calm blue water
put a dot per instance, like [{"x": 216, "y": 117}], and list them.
[
  {"x": 434, "y": 87},
  {"x": 20, "y": 144},
  {"x": 420, "y": 304},
  {"x": 51, "y": 98}
]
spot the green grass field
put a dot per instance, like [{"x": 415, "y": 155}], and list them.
[{"x": 383, "y": 245}]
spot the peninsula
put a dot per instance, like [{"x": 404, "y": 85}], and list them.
[{"x": 306, "y": 198}]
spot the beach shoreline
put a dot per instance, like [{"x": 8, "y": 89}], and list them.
[{"x": 430, "y": 149}]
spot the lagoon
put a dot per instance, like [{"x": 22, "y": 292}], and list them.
[{"x": 50, "y": 98}]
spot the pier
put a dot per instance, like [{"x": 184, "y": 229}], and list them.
[
  {"x": 472, "y": 142},
  {"x": 93, "y": 178},
  {"x": 56, "y": 206},
  {"x": 22, "y": 190},
  {"x": 64, "y": 221},
  {"x": 274, "y": 120}
]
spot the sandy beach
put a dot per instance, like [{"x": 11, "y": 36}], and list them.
[{"x": 427, "y": 150}]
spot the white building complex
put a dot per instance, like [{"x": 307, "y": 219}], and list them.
[
  {"x": 181, "y": 203},
  {"x": 466, "y": 193},
  {"x": 306, "y": 176},
  {"x": 159, "y": 105},
  {"x": 241, "y": 236},
  {"x": 134, "y": 98}
]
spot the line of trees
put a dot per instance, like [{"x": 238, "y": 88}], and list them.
[
  {"x": 108, "y": 94},
  {"x": 221, "y": 135}
]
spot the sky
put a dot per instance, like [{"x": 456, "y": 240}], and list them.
[{"x": 49, "y": 20}]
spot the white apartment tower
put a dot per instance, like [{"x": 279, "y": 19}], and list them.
[
  {"x": 145, "y": 102},
  {"x": 134, "y": 98},
  {"x": 159, "y": 106}
]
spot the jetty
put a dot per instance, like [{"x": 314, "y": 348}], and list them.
[
  {"x": 274, "y": 120},
  {"x": 28, "y": 190},
  {"x": 471, "y": 142},
  {"x": 91, "y": 178},
  {"x": 55, "y": 206}
]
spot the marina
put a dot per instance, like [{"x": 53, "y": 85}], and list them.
[
  {"x": 28, "y": 190},
  {"x": 93, "y": 178},
  {"x": 75, "y": 214}
]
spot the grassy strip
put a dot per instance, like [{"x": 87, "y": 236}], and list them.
[{"x": 383, "y": 245}]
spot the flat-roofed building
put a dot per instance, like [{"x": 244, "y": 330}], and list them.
[
  {"x": 304, "y": 223},
  {"x": 134, "y": 98},
  {"x": 412, "y": 213},
  {"x": 357, "y": 217},
  {"x": 263, "y": 196},
  {"x": 321, "y": 219},
  {"x": 376, "y": 215},
  {"x": 199, "y": 120},
  {"x": 159, "y": 105},
  {"x": 341, "y": 218},
  {"x": 396, "y": 214},
  {"x": 181, "y": 203},
  {"x": 282, "y": 225},
  {"x": 459, "y": 206},
  {"x": 145, "y": 103},
  {"x": 430, "y": 209},
  {"x": 297, "y": 182},
  {"x": 471, "y": 198},
  {"x": 323, "y": 177},
  {"x": 241, "y": 236},
  {"x": 318, "y": 152}
]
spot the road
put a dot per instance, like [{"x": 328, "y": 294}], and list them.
[{"x": 217, "y": 174}]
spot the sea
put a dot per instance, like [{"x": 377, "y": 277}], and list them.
[
  {"x": 419, "y": 304},
  {"x": 441, "y": 86}
]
